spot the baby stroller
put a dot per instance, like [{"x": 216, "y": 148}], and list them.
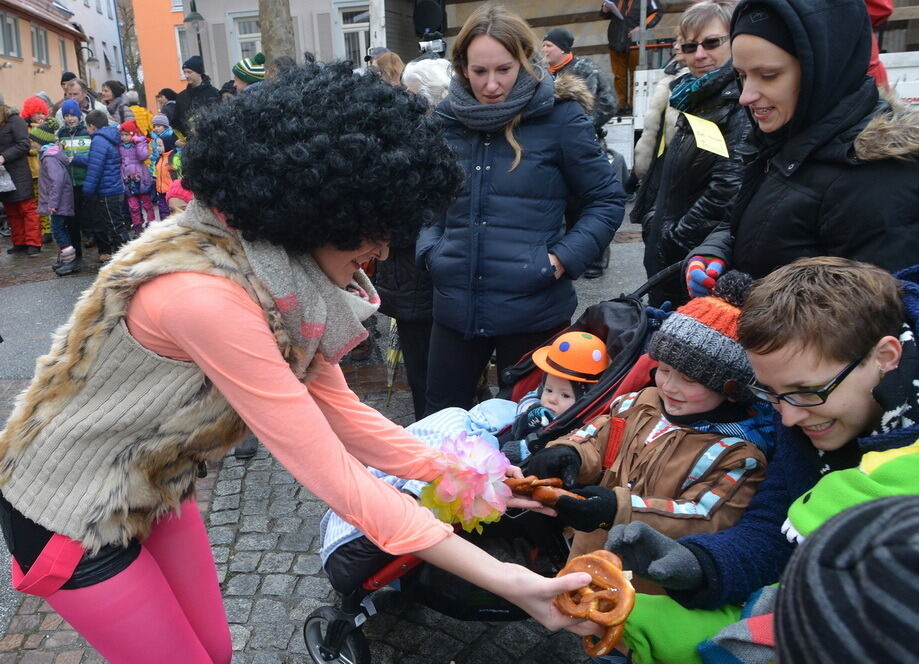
[{"x": 358, "y": 569}]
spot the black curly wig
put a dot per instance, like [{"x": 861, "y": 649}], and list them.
[{"x": 322, "y": 156}]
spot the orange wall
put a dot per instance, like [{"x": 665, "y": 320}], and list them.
[{"x": 159, "y": 53}]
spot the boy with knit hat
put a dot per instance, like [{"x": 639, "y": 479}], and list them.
[
  {"x": 249, "y": 72},
  {"x": 685, "y": 456},
  {"x": 74, "y": 139},
  {"x": 55, "y": 192}
]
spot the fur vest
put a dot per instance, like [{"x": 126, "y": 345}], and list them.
[{"x": 108, "y": 436}]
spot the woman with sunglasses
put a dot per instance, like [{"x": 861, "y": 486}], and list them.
[
  {"x": 832, "y": 344},
  {"x": 832, "y": 168},
  {"x": 688, "y": 190}
]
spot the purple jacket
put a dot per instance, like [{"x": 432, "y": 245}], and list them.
[
  {"x": 133, "y": 157},
  {"x": 55, "y": 188}
]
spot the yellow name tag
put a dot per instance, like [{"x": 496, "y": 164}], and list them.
[
  {"x": 663, "y": 144},
  {"x": 708, "y": 135}
]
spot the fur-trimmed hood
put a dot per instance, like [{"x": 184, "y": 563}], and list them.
[
  {"x": 892, "y": 133},
  {"x": 569, "y": 87}
]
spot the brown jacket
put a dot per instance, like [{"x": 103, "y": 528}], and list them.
[{"x": 676, "y": 479}]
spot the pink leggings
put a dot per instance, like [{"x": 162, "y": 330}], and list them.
[
  {"x": 165, "y": 607},
  {"x": 134, "y": 205}
]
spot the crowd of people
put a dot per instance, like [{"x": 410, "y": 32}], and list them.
[{"x": 739, "y": 483}]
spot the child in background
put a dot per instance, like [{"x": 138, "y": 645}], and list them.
[
  {"x": 34, "y": 112},
  {"x": 103, "y": 184},
  {"x": 74, "y": 139},
  {"x": 138, "y": 183},
  {"x": 55, "y": 192},
  {"x": 162, "y": 140},
  {"x": 685, "y": 456}
]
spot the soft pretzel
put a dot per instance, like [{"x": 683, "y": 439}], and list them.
[
  {"x": 607, "y": 600},
  {"x": 546, "y": 491}
]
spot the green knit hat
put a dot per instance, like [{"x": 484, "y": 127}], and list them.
[
  {"x": 45, "y": 132},
  {"x": 250, "y": 70}
]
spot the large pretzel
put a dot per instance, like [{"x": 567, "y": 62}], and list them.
[
  {"x": 546, "y": 491},
  {"x": 607, "y": 600}
]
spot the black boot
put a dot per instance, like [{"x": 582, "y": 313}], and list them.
[
  {"x": 247, "y": 448},
  {"x": 70, "y": 267}
]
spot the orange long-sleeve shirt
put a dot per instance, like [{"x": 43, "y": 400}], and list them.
[{"x": 320, "y": 431}]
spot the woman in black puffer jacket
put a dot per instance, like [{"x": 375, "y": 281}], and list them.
[
  {"x": 689, "y": 190},
  {"x": 501, "y": 260},
  {"x": 833, "y": 170}
]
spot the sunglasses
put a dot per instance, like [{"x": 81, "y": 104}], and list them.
[
  {"x": 709, "y": 44},
  {"x": 805, "y": 398}
]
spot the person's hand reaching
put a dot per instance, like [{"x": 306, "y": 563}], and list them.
[
  {"x": 655, "y": 557},
  {"x": 597, "y": 510}
]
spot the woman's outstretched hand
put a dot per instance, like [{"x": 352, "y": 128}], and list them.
[{"x": 535, "y": 595}]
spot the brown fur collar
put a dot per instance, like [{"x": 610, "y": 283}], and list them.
[
  {"x": 569, "y": 87},
  {"x": 891, "y": 134}
]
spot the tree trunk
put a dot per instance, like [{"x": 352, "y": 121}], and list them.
[
  {"x": 129, "y": 51},
  {"x": 277, "y": 29}
]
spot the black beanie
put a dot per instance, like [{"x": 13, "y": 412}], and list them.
[
  {"x": 760, "y": 21},
  {"x": 67, "y": 76},
  {"x": 195, "y": 63},
  {"x": 561, "y": 37},
  {"x": 849, "y": 592}
]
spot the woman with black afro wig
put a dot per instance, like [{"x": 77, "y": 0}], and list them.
[{"x": 227, "y": 317}]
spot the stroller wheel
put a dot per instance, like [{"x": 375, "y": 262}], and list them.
[{"x": 354, "y": 648}]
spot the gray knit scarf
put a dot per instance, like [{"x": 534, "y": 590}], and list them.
[
  {"x": 527, "y": 95},
  {"x": 320, "y": 316}
]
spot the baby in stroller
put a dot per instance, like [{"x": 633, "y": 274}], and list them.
[
  {"x": 572, "y": 362},
  {"x": 685, "y": 456}
]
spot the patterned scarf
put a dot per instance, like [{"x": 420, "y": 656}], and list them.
[
  {"x": 685, "y": 91},
  {"x": 320, "y": 316},
  {"x": 525, "y": 97}
]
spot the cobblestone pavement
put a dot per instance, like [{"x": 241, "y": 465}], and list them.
[{"x": 263, "y": 528}]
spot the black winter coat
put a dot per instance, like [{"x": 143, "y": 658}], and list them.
[
  {"x": 403, "y": 287},
  {"x": 842, "y": 178},
  {"x": 852, "y": 195},
  {"x": 14, "y": 146},
  {"x": 190, "y": 100},
  {"x": 617, "y": 32},
  {"x": 489, "y": 256},
  {"x": 689, "y": 191}
]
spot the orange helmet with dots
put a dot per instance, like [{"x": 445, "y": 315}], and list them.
[{"x": 577, "y": 356}]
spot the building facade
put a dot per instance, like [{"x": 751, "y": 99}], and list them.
[
  {"x": 37, "y": 44},
  {"x": 101, "y": 55}
]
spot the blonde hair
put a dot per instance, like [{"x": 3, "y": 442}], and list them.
[
  {"x": 699, "y": 15},
  {"x": 430, "y": 78},
  {"x": 515, "y": 35},
  {"x": 390, "y": 67}
]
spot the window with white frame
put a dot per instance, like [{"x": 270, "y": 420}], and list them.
[
  {"x": 117, "y": 59},
  {"x": 109, "y": 4},
  {"x": 40, "y": 46},
  {"x": 99, "y": 6},
  {"x": 177, "y": 6},
  {"x": 105, "y": 58},
  {"x": 9, "y": 36},
  {"x": 355, "y": 27},
  {"x": 183, "y": 46},
  {"x": 62, "y": 46},
  {"x": 248, "y": 36}
]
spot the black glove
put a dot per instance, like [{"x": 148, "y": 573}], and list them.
[
  {"x": 531, "y": 420},
  {"x": 513, "y": 450},
  {"x": 655, "y": 557},
  {"x": 598, "y": 511},
  {"x": 559, "y": 461}
]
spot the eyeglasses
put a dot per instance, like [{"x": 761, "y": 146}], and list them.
[
  {"x": 709, "y": 44},
  {"x": 805, "y": 398}
]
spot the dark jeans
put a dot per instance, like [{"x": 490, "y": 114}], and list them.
[
  {"x": 455, "y": 364},
  {"x": 415, "y": 339},
  {"x": 75, "y": 223},
  {"x": 109, "y": 226}
]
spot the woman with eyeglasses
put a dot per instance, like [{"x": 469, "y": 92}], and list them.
[
  {"x": 832, "y": 167},
  {"x": 688, "y": 190}
]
